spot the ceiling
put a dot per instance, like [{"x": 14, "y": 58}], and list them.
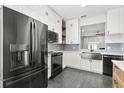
[{"x": 73, "y": 11}]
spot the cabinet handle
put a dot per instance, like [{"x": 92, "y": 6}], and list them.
[
  {"x": 71, "y": 25},
  {"x": 115, "y": 81},
  {"x": 53, "y": 29},
  {"x": 47, "y": 13},
  {"x": 90, "y": 60},
  {"x": 116, "y": 67},
  {"x": 57, "y": 21},
  {"x": 108, "y": 32}
]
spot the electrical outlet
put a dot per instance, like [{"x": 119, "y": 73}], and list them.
[
  {"x": 122, "y": 49},
  {"x": 108, "y": 48},
  {"x": 73, "y": 47}
]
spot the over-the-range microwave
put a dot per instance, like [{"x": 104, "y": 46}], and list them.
[{"x": 52, "y": 37}]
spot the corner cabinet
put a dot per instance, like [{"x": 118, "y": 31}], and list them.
[
  {"x": 115, "y": 26},
  {"x": 115, "y": 21},
  {"x": 72, "y": 31}
]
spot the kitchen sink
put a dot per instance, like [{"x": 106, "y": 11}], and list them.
[{"x": 91, "y": 55}]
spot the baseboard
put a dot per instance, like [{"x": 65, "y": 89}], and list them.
[{"x": 83, "y": 69}]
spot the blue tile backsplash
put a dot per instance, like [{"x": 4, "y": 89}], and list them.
[
  {"x": 117, "y": 47},
  {"x": 71, "y": 47}
]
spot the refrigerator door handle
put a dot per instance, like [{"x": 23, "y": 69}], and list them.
[
  {"x": 36, "y": 36},
  {"x": 32, "y": 41},
  {"x": 35, "y": 42},
  {"x": 35, "y": 39}
]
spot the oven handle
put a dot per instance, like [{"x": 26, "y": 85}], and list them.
[
  {"x": 106, "y": 56},
  {"x": 57, "y": 55}
]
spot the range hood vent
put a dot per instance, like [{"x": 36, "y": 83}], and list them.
[{"x": 92, "y": 33}]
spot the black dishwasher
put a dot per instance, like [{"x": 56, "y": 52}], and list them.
[{"x": 107, "y": 63}]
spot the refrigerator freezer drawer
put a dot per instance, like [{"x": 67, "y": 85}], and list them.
[{"x": 34, "y": 80}]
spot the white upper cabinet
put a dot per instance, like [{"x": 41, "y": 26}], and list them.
[
  {"x": 101, "y": 18},
  {"x": 115, "y": 21},
  {"x": 44, "y": 14},
  {"x": 58, "y": 28},
  {"x": 72, "y": 31}
]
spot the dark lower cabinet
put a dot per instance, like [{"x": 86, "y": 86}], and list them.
[{"x": 36, "y": 79}]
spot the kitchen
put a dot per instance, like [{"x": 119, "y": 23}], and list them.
[{"x": 78, "y": 48}]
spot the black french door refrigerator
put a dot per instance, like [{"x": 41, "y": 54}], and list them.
[{"x": 24, "y": 51}]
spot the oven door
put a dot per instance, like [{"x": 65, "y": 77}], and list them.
[{"x": 56, "y": 64}]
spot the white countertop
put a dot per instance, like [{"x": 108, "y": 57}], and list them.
[
  {"x": 112, "y": 53},
  {"x": 119, "y": 64},
  {"x": 103, "y": 52}
]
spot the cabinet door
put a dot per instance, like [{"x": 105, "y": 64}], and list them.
[
  {"x": 75, "y": 60},
  {"x": 97, "y": 66},
  {"x": 115, "y": 81},
  {"x": 65, "y": 59},
  {"x": 115, "y": 21},
  {"x": 58, "y": 29},
  {"x": 72, "y": 31},
  {"x": 68, "y": 32},
  {"x": 18, "y": 8},
  {"x": 72, "y": 60},
  {"x": 120, "y": 84},
  {"x": 85, "y": 63},
  {"x": 38, "y": 12}
]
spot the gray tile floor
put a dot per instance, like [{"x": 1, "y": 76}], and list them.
[{"x": 73, "y": 78}]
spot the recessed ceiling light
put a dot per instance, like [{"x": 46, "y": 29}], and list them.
[{"x": 83, "y": 16}]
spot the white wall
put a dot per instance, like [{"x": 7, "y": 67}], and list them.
[{"x": 93, "y": 20}]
